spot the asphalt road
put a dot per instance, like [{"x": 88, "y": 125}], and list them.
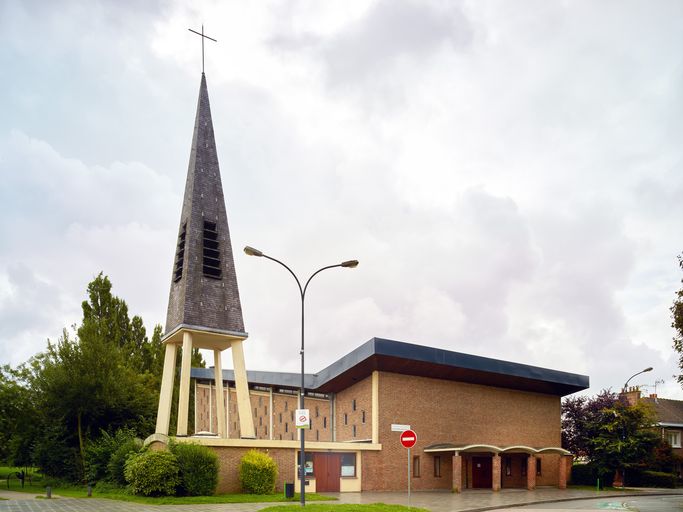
[{"x": 626, "y": 504}]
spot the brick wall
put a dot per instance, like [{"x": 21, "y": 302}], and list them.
[
  {"x": 284, "y": 427},
  {"x": 228, "y": 463},
  {"x": 356, "y": 420},
  {"x": 460, "y": 413}
]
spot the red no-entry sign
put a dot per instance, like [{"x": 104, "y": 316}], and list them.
[{"x": 408, "y": 438}]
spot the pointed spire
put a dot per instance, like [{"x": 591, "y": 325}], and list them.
[{"x": 204, "y": 293}]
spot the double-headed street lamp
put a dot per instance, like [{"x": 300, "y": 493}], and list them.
[
  {"x": 648, "y": 369},
  {"x": 302, "y": 291}
]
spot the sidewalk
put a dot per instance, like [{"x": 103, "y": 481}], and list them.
[{"x": 470, "y": 501}]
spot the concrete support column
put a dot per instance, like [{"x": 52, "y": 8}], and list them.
[
  {"x": 184, "y": 399},
  {"x": 562, "y": 477},
  {"x": 166, "y": 393},
  {"x": 375, "y": 407},
  {"x": 531, "y": 473},
  {"x": 457, "y": 472},
  {"x": 495, "y": 472},
  {"x": 242, "y": 387},
  {"x": 220, "y": 402}
]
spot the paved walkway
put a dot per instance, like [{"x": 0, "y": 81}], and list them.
[{"x": 470, "y": 500}]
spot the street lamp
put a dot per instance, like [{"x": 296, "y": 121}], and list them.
[
  {"x": 649, "y": 369},
  {"x": 302, "y": 291}
]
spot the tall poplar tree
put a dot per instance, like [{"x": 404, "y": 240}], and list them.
[{"x": 677, "y": 323}]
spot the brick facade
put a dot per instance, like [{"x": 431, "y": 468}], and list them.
[{"x": 460, "y": 413}]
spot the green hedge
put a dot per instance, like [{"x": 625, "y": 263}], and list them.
[
  {"x": 198, "y": 469},
  {"x": 638, "y": 478},
  {"x": 587, "y": 474},
  {"x": 258, "y": 473},
  {"x": 117, "y": 461},
  {"x": 152, "y": 473}
]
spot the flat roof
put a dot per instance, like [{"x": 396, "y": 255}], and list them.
[{"x": 411, "y": 359}]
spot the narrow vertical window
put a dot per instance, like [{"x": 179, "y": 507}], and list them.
[
  {"x": 538, "y": 466},
  {"x": 362, "y": 416},
  {"x": 508, "y": 466},
  {"x": 180, "y": 254},
  {"x": 346, "y": 419},
  {"x": 324, "y": 421},
  {"x": 354, "y": 431},
  {"x": 416, "y": 466},
  {"x": 353, "y": 404},
  {"x": 437, "y": 466},
  {"x": 211, "y": 263}
]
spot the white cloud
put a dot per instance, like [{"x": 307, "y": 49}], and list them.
[{"x": 508, "y": 174}]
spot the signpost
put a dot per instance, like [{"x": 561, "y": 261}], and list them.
[
  {"x": 303, "y": 418},
  {"x": 408, "y": 440}
]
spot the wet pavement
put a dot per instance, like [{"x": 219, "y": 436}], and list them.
[{"x": 470, "y": 500}]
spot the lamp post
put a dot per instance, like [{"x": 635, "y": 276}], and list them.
[
  {"x": 302, "y": 291},
  {"x": 649, "y": 369},
  {"x": 623, "y": 432}
]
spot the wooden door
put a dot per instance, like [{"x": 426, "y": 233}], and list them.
[
  {"x": 482, "y": 472},
  {"x": 327, "y": 468}
]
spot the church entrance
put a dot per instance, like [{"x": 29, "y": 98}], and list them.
[
  {"x": 327, "y": 467},
  {"x": 482, "y": 477}
]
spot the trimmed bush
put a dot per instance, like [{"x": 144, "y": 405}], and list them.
[
  {"x": 198, "y": 469},
  {"x": 116, "y": 465},
  {"x": 152, "y": 473},
  {"x": 637, "y": 478},
  {"x": 258, "y": 473},
  {"x": 587, "y": 474}
]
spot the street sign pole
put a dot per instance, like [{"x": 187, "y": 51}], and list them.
[
  {"x": 408, "y": 440},
  {"x": 408, "y": 477}
]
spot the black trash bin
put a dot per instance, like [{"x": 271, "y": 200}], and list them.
[{"x": 289, "y": 490}]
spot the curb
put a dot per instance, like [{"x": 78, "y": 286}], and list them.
[{"x": 560, "y": 500}]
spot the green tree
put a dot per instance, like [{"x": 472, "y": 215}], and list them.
[
  {"x": 581, "y": 419},
  {"x": 625, "y": 438},
  {"x": 17, "y": 419},
  {"x": 677, "y": 323}
]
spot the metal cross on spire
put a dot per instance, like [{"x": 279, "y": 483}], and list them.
[{"x": 203, "y": 37}]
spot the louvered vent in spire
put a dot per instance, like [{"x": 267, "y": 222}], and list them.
[
  {"x": 212, "y": 257},
  {"x": 180, "y": 255}
]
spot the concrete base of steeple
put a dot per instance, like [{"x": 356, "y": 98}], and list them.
[{"x": 191, "y": 337}]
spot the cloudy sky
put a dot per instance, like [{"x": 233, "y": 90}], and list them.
[{"x": 509, "y": 174}]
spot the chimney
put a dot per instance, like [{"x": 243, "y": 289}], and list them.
[{"x": 631, "y": 395}]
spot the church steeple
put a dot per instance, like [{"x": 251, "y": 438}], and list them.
[
  {"x": 204, "y": 293},
  {"x": 204, "y": 309}
]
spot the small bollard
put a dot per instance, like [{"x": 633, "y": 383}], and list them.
[
  {"x": 48, "y": 492},
  {"x": 89, "y": 491}
]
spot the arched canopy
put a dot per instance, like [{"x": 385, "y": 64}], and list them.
[
  {"x": 519, "y": 449},
  {"x": 489, "y": 448},
  {"x": 554, "y": 449}
]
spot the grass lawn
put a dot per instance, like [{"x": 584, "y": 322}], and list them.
[
  {"x": 320, "y": 507},
  {"x": 113, "y": 493}
]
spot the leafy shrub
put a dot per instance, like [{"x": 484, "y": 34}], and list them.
[
  {"x": 198, "y": 469},
  {"x": 638, "y": 478},
  {"x": 117, "y": 461},
  {"x": 588, "y": 474},
  {"x": 99, "y": 452},
  {"x": 258, "y": 473},
  {"x": 55, "y": 458},
  {"x": 152, "y": 473}
]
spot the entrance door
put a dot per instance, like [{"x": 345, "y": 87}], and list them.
[
  {"x": 327, "y": 468},
  {"x": 482, "y": 472}
]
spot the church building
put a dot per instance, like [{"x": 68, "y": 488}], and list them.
[{"x": 480, "y": 422}]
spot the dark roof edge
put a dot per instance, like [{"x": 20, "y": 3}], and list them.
[{"x": 410, "y": 352}]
